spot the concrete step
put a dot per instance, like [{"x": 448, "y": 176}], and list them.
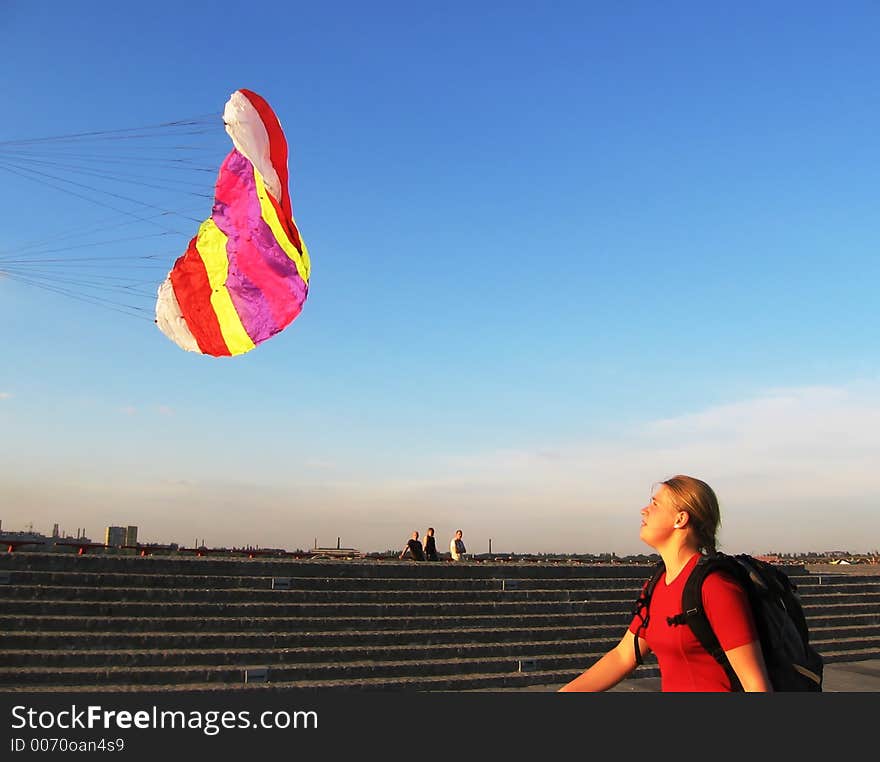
[
  {"x": 541, "y": 680},
  {"x": 833, "y": 654},
  {"x": 838, "y": 609},
  {"x": 818, "y": 619},
  {"x": 57, "y": 593},
  {"x": 330, "y": 569},
  {"x": 155, "y": 581},
  {"x": 162, "y": 640},
  {"x": 830, "y": 599},
  {"x": 504, "y": 604},
  {"x": 52, "y": 585},
  {"x": 418, "y": 653},
  {"x": 10, "y": 641},
  {"x": 870, "y": 585},
  {"x": 511, "y": 680},
  {"x": 497, "y": 680},
  {"x": 352, "y": 670},
  {"x": 48, "y": 623},
  {"x": 844, "y": 629},
  {"x": 819, "y": 578},
  {"x": 179, "y": 621},
  {"x": 423, "y": 609},
  {"x": 841, "y": 642}
]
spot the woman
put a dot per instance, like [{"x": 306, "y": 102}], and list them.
[
  {"x": 680, "y": 523},
  {"x": 430, "y": 545}
]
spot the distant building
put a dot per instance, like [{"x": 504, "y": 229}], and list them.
[
  {"x": 114, "y": 536},
  {"x": 117, "y": 536}
]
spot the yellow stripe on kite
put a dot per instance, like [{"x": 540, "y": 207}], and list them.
[
  {"x": 267, "y": 211},
  {"x": 211, "y": 245}
]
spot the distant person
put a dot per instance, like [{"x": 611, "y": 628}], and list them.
[
  {"x": 414, "y": 548},
  {"x": 680, "y": 523},
  {"x": 456, "y": 547},
  {"x": 430, "y": 545}
]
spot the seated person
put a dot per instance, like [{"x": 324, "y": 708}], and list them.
[{"x": 414, "y": 548}]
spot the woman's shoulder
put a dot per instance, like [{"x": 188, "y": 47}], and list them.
[{"x": 720, "y": 584}]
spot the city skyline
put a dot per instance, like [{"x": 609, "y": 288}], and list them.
[{"x": 131, "y": 533}]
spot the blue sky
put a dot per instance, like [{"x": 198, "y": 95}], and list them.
[{"x": 559, "y": 251}]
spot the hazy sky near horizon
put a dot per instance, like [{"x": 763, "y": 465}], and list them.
[{"x": 559, "y": 252}]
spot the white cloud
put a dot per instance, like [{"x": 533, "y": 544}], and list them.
[
  {"x": 783, "y": 464},
  {"x": 5, "y": 395}
]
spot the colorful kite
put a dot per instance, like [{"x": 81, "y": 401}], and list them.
[{"x": 245, "y": 275}]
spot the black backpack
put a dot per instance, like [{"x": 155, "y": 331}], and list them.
[{"x": 792, "y": 663}]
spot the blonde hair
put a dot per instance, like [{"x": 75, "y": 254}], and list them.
[{"x": 699, "y": 501}]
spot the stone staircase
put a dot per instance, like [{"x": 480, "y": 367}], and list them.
[{"x": 128, "y": 623}]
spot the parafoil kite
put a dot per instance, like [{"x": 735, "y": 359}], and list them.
[{"x": 245, "y": 275}]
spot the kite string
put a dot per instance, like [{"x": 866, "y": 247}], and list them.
[{"x": 94, "y": 167}]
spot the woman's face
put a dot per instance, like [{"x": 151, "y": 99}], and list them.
[{"x": 658, "y": 517}]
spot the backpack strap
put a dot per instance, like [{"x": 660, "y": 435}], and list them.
[
  {"x": 642, "y": 606},
  {"x": 694, "y": 614}
]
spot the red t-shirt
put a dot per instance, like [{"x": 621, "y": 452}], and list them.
[{"x": 684, "y": 664}]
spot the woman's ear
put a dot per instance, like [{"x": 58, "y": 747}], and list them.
[{"x": 681, "y": 519}]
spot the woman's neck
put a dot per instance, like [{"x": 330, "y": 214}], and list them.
[{"x": 675, "y": 559}]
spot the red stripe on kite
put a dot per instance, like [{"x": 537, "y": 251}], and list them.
[
  {"x": 278, "y": 157},
  {"x": 189, "y": 279}
]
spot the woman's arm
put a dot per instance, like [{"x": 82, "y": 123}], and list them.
[
  {"x": 748, "y": 663},
  {"x": 610, "y": 669}
]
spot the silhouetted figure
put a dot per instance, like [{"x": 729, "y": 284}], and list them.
[
  {"x": 430, "y": 545},
  {"x": 414, "y": 548}
]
